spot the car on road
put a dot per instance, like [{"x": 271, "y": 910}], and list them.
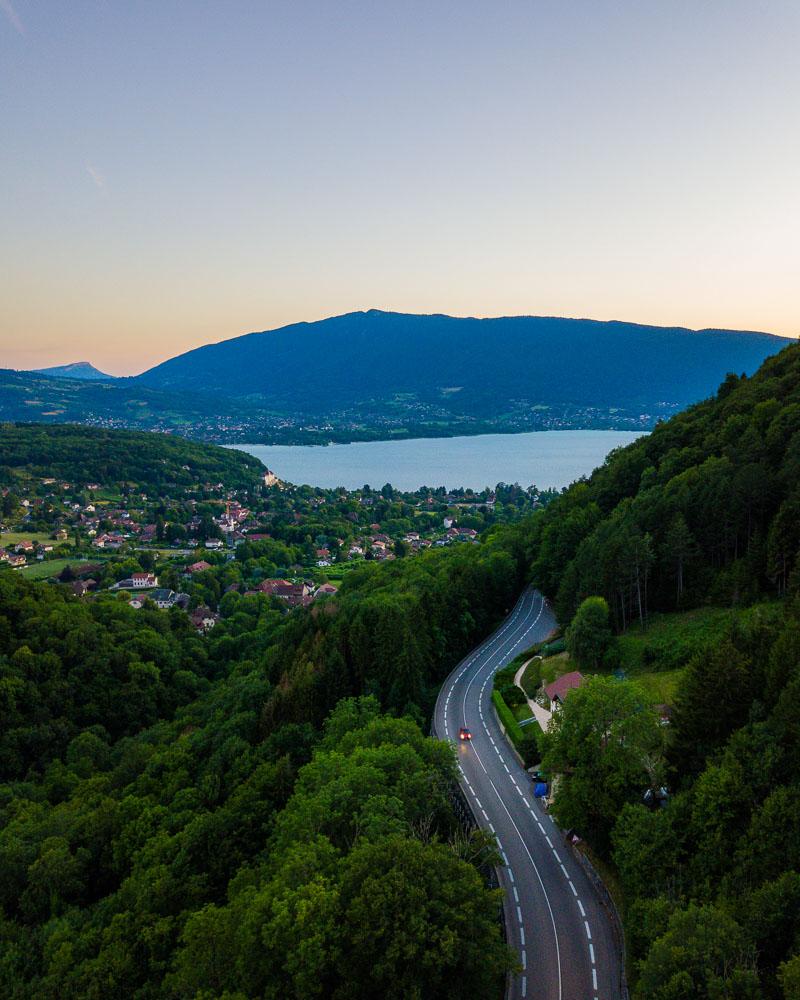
[{"x": 464, "y": 733}]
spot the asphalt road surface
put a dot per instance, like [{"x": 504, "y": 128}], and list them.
[{"x": 554, "y": 918}]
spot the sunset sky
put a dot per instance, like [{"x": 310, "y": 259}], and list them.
[{"x": 175, "y": 173}]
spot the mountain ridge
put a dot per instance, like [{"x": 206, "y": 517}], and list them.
[
  {"x": 375, "y": 375},
  {"x": 299, "y": 324},
  {"x": 81, "y": 370},
  {"x": 369, "y": 357}
]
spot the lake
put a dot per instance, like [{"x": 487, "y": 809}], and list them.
[{"x": 547, "y": 459}]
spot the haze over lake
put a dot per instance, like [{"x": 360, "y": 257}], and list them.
[{"x": 547, "y": 459}]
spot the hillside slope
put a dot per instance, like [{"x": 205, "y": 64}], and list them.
[
  {"x": 88, "y": 454},
  {"x": 120, "y": 403},
  {"x": 704, "y": 511},
  {"x": 467, "y": 366},
  {"x": 703, "y": 508}
]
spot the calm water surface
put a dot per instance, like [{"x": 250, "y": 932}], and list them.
[{"x": 542, "y": 458}]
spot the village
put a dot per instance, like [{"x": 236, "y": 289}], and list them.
[{"x": 202, "y": 549}]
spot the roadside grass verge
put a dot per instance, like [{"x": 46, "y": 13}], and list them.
[
  {"x": 524, "y": 740},
  {"x": 509, "y": 721},
  {"x": 521, "y": 658},
  {"x": 532, "y": 678}
]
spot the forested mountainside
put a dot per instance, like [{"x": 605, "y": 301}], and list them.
[
  {"x": 703, "y": 511},
  {"x": 467, "y": 366},
  {"x": 378, "y": 376},
  {"x": 242, "y": 846},
  {"x": 87, "y": 455}
]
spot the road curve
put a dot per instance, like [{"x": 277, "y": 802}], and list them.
[{"x": 555, "y": 921}]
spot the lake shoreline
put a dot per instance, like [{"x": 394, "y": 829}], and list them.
[
  {"x": 312, "y": 438},
  {"x": 546, "y": 459}
]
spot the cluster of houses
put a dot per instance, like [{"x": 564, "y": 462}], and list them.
[
  {"x": 130, "y": 523},
  {"x": 143, "y": 587},
  {"x": 451, "y": 534},
  {"x": 109, "y": 528},
  {"x": 17, "y": 555}
]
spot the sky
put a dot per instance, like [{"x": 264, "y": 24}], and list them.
[{"x": 176, "y": 173}]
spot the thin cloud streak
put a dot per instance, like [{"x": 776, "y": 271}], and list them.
[
  {"x": 8, "y": 9},
  {"x": 93, "y": 172}
]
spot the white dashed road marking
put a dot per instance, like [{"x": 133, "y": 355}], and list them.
[{"x": 496, "y": 651}]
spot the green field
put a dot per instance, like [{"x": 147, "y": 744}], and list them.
[
  {"x": 660, "y": 686},
  {"x": 337, "y": 572},
  {"x": 106, "y": 497},
  {"x": 46, "y": 568}
]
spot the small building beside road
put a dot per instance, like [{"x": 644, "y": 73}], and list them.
[{"x": 561, "y": 687}]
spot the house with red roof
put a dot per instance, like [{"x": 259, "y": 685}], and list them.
[
  {"x": 197, "y": 567},
  {"x": 295, "y": 594},
  {"x": 561, "y": 687}
]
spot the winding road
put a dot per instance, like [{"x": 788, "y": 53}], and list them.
[{"x": 555, "y": 921}]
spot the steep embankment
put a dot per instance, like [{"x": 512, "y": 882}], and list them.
[{"x": 706, "y": 510}]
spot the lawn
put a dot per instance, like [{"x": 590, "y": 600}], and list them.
[
  {"x": 46, "y": 568},
  {"x": 522, "y": 712},
  {"x": 106, "y": 497},
  {"x": 336, "y": 573},
  {"x": 660, "y": 686},
  {"x": 544, "y": 670}
]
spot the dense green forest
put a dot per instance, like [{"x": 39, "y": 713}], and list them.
[
  {"x": 704, "y": 508},
  {"x": 184, "y": 818},
  {"x": 703, "y": 511},
  {"x": 223, "y": 817},
  {"x": 91, "y": 455}
]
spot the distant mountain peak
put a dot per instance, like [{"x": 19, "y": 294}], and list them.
[{"x": 77, "y": 369}]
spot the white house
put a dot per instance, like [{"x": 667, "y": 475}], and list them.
[{"x": 163, "y": 598}]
